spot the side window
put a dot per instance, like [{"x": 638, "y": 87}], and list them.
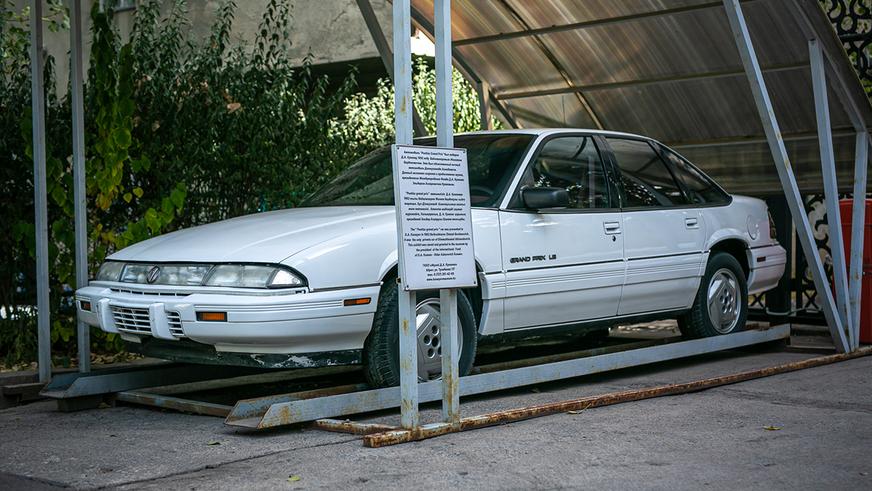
[
  {"x": 700, "y": 188},
  {"x": 572, "y": 163},
  {"x": 647, "y": 181}
]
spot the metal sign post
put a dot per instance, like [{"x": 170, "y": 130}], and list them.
[
  {"x": 445, "y": 138},
  {"x": 403, "y": 131},
  {"x": 435, "y": 252},
  {"x": 434, "y": 222}
]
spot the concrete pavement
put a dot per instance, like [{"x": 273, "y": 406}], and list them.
[{"x": 819, "y": 435}]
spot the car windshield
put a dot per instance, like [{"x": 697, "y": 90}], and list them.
[{"x": 492, "y": 160}]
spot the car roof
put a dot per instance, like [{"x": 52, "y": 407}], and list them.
[{"x": 551, "y": 131}]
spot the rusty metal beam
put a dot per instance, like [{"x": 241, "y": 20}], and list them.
[
  {"x": 175, "y": 403},
  {"x": 395, "y": 436},
  {"x": 348, "y": 426}
]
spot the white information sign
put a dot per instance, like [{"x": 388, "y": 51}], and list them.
[{"x": 431, "y": 189}]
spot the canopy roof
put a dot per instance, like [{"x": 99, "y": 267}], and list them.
[{"x": 668, "y": 69}]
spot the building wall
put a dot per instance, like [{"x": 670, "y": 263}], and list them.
[{"x": 330, "y": 30}]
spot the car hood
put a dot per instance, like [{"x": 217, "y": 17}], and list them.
[{"x": 262, "y": 237}]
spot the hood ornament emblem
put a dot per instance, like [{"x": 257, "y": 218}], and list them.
[{"x": 152, "y": 275}]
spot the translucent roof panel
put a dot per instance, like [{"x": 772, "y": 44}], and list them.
[
  {"x": 746, "y": 168},
  {"x": 668, "y": 69}
]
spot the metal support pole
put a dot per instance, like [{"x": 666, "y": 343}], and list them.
[
  {"x": 831, "y": 187},
  {"x": 402, "y": 21},
  {"x": 80, "y": 216},
  {"x": 39, "y": 197},
  {"x": 484, "y": 104},
  {"x": 445, "y": 138},
  {"x": 444, "y": 102},
  {"x": 384, "y": 51},
  {"x": 450, "y": 357},
  {"x": 785, "y": 173},
  {"x": 858, "y": 217}
]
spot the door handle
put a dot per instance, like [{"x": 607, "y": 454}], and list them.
[
  {"x": 612, "y": 228},
  {"x": 691, "y": 223}
]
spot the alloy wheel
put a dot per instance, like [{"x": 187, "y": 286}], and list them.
[
  {"x": 724, "y": 306},
  {"x": 428, "y": 317}
]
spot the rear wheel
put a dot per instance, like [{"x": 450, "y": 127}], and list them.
[
  {"x": 721, "y": 304},
  {"x": 381, "y": 350}
]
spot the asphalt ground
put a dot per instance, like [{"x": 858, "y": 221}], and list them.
[{"x": 809, "y": 429}]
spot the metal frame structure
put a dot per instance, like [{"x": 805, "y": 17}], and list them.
[
  {"x": 79, "y": 211},
  {"x": 863, "y": 141},
  {"x": 444, "y": 138},
  {"x": 785, "y": 172},
  {"x": 40, "y": 199},
  {"x": 831, "y": 189},
  {"x": 842, "y": 311}
]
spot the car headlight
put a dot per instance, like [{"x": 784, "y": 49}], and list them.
[
  {"x": 252, "y": 276},
  {"x": 110, "y": 271},
  {"x": 223, "y": 275},
  {"x": 166, "y": 274}
]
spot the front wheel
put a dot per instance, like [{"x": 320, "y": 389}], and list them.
[
  {"x": 381, "y": 350},
  {"x": 721, "y": 304}
]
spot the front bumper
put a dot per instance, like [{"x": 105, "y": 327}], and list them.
[{"x": 256, "y": 323}]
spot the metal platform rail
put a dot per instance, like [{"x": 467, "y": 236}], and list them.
[
  {"x": 278, "y": 411},
  {"x": 167, "y": 385}
]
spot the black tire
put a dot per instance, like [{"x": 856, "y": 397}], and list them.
[
  {"x": 697, "y": 322},
  {"x": 381, "y": 357}
]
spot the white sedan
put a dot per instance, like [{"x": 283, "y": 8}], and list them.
[{"x": 573, "y": 229}]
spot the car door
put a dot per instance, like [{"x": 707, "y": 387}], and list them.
[
  {"x": 664, "y": 235},
  {"x": 563, "y": 265}
]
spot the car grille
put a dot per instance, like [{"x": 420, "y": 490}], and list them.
[
  {"x": 153, "y": 293},
  {"x": 175, "y": 321},
  {"x": 132, "y": 320}
]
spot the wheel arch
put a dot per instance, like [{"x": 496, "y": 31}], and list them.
[
  {"x": 474, "y": 294},
  {"x": 737, "y": 248}
]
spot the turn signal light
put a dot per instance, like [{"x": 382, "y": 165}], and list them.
[
  {"x": 357, "y": 301},
  {"x": 212, "y": 316},
  {"x": 85, "y": 305}
]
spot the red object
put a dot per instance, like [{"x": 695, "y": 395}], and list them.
[{"x": 846, "y": 208}]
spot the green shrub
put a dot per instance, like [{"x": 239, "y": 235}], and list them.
[
  {"x": 242, "y": 127},
  {"x": 179, "y": 131},
  {"x": 369, "y": 121}
]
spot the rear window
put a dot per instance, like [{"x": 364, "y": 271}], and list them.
[{"x": 700, "y": 188}]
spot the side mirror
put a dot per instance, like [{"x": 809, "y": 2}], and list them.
[{"x": 544, "y": 198}]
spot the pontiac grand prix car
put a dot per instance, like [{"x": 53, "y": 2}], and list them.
[{"x": 573, "y": 229}]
